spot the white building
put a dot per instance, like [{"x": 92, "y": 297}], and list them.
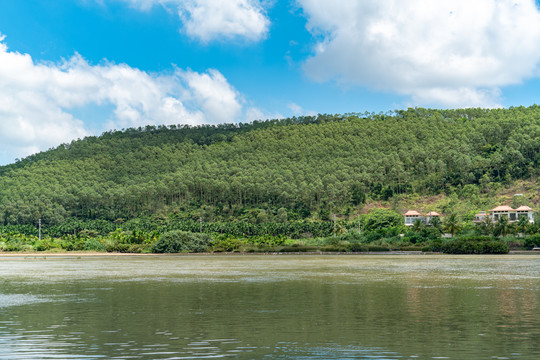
[
  {"x": 512, "y": 215},
  {"x": 412, "y": 215}
]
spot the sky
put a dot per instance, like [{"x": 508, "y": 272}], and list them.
[{"x": 74, "y": 68}]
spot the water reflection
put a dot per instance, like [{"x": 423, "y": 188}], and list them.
[{"x": 293, "y": 307}]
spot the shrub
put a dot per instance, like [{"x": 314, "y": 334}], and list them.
[
  {"x": 88, "y": 233},
  {"x": 368, "y": 248},
  {"x": 433, "y": 246},
  {"x": 532, "y": 241},
  {"x": 335, "y": 248},
  {"x": 123, "y": 248},
  {"x": 376, "y": 248},
  {"x": 43, "y": 245},
  {"x": 477, "y": 238},
  {"x": 352, "y": 236},
  {"x": 13, "y": 247},
  {"x": 333, "y": 240},
  {"x": 298, "y": 248},
  {"x": 65, "y": 244},
  {"x": 139, "y": 248},
  {"x": 430, "y": 233},
  {"x": 513, "y": 242},
  {"x": 382, "y": 219},
  {"x": 409, "y": 248},
  {"x": 394, "y": 240},
  {"x": 110, "y": 245},
  {"x": 468, "y": 246},
  {"x": 496, "y": 247},
  {"x": 93, "y": 244},
  {"x": 413, "y": 238},
  {"x": 228, "y": 244},
  {"x": 181, "y": 241},
  {"x": 373, "y": 236},
  {"x": 27, "y": 247}
]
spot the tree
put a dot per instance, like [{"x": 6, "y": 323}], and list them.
[
  {"x": 382, "y": 219},
  {"x": 281, "y": 215},
  {"x": 518, "y": 200},
  {"x": 307, "y": 165},
  {"x": 486, "y": 226},
  {"x": 435, "y": 221},
  {"x": 339, "y": 229},
  {"x": 262, "y": 216},
  {"x": 503, "y": 227},
  {"x": 452, "y": 224},
  {"x": 523, "y": 225},
  {"x": 357, "y": 194},
  {"x": 417, "y": 226}
]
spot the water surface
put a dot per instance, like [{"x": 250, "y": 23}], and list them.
[{"x": 276, "y": 307}]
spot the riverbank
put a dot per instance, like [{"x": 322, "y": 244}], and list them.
[{"x": 43, "y": 254}]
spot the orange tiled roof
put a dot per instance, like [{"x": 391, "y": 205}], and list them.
[
  {"x": 503, "y": 208},
  {"x": 412, "y": 213},
  {"x": 524, "y": 208}
]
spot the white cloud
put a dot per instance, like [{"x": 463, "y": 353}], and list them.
[
  {"x": 209, "y": 20},
  {"x": 295, "y": 108},
  {"x": 254, "y": 113},
  {"x": 37, "y": 100},
  {"x": 214, "y": 95},
  {"x": 443, "y": 53},
  {"x": 144, "y": 5}
]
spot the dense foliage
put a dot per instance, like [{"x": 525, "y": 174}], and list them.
[
  {"x": 475, "y": 245},
  {"x": 182, "y": 241},
  {"x": 305, "y": 166},
  {"x": 296, "y": 184}
]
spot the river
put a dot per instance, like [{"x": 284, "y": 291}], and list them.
[{"x": 270, "y": 306}]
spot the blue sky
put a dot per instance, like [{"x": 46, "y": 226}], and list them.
[{"x": 71, "y": 68}]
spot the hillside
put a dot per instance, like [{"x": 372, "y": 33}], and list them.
[{"x": 309, "y": 166}]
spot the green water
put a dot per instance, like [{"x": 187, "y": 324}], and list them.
[{"x": 275, "y": 307}]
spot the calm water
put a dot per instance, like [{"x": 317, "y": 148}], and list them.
[{"x": 275, "y": 307}]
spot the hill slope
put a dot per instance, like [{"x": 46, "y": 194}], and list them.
[{"x": 309, "y": 164}]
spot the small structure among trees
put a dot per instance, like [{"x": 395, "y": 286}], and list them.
[
  {"x": 412, "y": 216},
  {"x": 504, "y": 211}
]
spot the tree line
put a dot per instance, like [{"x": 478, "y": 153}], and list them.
[{"x": 305, "y": 167}]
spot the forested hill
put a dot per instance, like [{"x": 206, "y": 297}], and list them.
[{"x": 305, "y": 165}]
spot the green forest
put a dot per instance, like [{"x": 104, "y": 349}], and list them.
[{"x": 308, "y": 182}]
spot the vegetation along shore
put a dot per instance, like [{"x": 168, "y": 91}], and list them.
[{"x": 330, "y": 183}]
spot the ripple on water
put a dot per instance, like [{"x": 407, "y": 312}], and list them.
[
  {"x": 8, "y": 300},
  {"x": 187, "y": 301}
]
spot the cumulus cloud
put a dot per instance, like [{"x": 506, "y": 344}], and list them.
[
  {"x": 209, "y": 20},
  {"x": 214, "y": 95},
  {"x": 37, "y": 100},
  {"x": 443, "y": 53}
]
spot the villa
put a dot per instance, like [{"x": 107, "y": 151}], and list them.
[
  {"x": 512, "y": 215},
  {"x": 412, "y": 215}
]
